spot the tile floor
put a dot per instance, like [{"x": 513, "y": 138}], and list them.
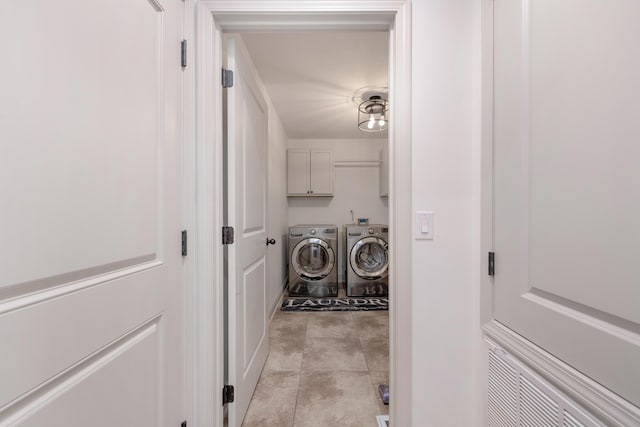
[{"x": 323, "y": 370}]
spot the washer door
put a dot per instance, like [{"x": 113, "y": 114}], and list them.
[
  {"x": 312, "y": 259},
  {"x": 369, "y": 258}
]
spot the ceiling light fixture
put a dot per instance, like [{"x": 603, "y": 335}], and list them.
[{"x": 372, "y": 109}]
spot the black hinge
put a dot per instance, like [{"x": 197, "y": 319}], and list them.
[
  {"x": 227, "y": 78},
  {"x": 492, "y": 263},
  {"x": 183, "y": 53},
  {"x": 227, "y": 235},
  {"x": 228, "y": 394},
  {"x": 183, "y": 424},
  {"x": 184, "y": 242}
]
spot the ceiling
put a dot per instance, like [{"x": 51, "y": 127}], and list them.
[{"x": 312, "y": 76}]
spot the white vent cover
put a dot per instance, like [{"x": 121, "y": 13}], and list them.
[{"x": 519, "y": 397}]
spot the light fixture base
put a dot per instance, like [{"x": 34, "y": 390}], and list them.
[{"x": 373, "y": 114}]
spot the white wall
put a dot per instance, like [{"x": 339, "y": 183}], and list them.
[
  {"x": 355, "y": 188},
  {"x": 277, "y": 208},
  {"x": 447, "y": 364}
]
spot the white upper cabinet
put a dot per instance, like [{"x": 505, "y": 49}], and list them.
[{"x": 309, "y": 172}]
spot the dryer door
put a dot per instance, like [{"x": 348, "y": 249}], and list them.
[
  {"x": 313, "y": 259},
  {"x": 369, "y": 258}
]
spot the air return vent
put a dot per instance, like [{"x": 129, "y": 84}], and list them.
[
  {"x": 570, "y": 421},
  {"x": 519, "y": 397}
]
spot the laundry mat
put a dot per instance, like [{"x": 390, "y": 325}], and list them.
[{"x": 334, "y": 304}]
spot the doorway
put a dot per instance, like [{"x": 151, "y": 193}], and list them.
[
  {"x": 214, "y": 17},
  {"x": 326, "y": 171}
]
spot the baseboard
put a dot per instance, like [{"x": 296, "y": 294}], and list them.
[{"x": 278, "y": 303}]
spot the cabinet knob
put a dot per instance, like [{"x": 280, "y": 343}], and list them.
[
  {"x": 271, "y": 241},
  {"x": 311, "y": 191}
]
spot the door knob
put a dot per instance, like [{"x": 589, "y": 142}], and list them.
[{"x": 271, "y": 241}]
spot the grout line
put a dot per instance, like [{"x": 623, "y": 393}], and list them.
[
  {"x": 295, "y": 406},
  {"x": 304, "y": 346}
]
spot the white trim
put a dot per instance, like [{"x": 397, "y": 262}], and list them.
[
  {"x": 598, "y": 400},
  {"x": 209, "y": 315},
  {"x": 400, "y": 220},
  {"x": 485, "y": 300},
  {"x": 189, "y": 213},
  {"x": 487, "y": 245},
  {"x": 247, "y": 15}
]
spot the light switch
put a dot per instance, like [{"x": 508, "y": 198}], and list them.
[{"x": 424, "y": 225}]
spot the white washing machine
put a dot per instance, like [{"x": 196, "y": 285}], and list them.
[
  {"x": 367, "y": 260},
  {"x": 313, "y": 260}
]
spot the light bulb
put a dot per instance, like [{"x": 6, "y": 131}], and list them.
[
  {"x": 381, "y": 122},
  {"x": 372, "y": 121}
]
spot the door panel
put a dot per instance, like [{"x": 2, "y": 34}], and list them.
[
  {"x": 298, "y": 168},
  {"x": 90, "y": 292},
  {"x": 95, "y": 392},
  {"x": 248, "y": 341},
  {"x": 567, "y": 74},
  {"x": 254, "y": 311},
  {"x": 254, "y": 153},
  {"x": 321, "y": 172},
  {"x": 86, "y": 96}
]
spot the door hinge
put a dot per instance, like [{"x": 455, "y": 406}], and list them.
[
  {"x": 228, "y": 394},
  {"x": 227, "y": 78},
  {"x": 183, "y": 424},
  {"x": 184, "y": 242},
  {"x": 183, "y": 53},
  {"x": 227, "y": 235},
  {"x": 492, "y": 264}
]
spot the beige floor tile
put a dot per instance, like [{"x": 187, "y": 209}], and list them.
[
  {"x": 274, "y": 401},
  {"x": 285, "y": 354},
  {"x": 372, "y": 324},
  {"x": 376, "y": 352},
  {"x": 336, "y": 399},
  {"x": 288, "y": 325},
  {"x": 378, "y": 378},
  {"x": 333, "y": 354},
  {"x": 331, "y": 325}
]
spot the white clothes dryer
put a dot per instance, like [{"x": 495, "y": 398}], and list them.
[
  {"x": 313, "y": 260},
  {"x": 367, "y": 260}
]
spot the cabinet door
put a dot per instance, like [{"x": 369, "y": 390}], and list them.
[
  {"x": 321, "y": 173},
  {"x": 566, "y": 194},
  {"x": 298, "y": 172}
]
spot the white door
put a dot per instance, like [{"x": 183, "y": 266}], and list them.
[
  {"x": 90, "y": 294},
  {"x": 248, "y": 340},
  {"x": 566, "y": 182}
]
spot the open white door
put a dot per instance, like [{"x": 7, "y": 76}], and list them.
[
  {"x": 566, "y": 194},
  {"x": 248, "y": 341},
  {"x": 90, "y": 295}
]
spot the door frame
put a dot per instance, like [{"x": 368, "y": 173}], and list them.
[{"x": 207, "y": 338}]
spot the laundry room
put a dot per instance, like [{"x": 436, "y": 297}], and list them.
[
  {"x": 327, "y": 163},
  {"x": 326, "y": 105}
]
